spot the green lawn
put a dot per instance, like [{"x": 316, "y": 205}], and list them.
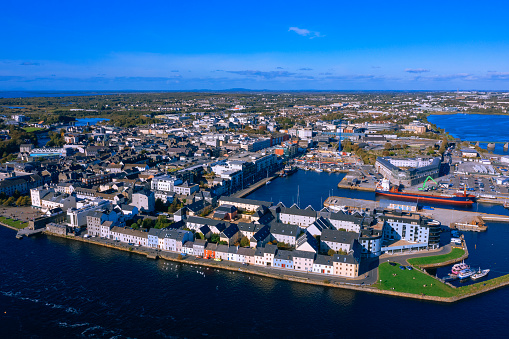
[
  {"x": 454, "y": 254},
  {"x": 393, "y": 278},
  {"x": 482, "y": 285},
  {"x": 13, "y": 223},
  {"x": 33, "y": 129}
]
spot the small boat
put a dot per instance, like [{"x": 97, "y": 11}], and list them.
[
  {"x": 479, "y": 274},
  {"x": 268, "y": 182},
  {"x": 459, "y": 267},
  {"x": 466, "y": 273}
]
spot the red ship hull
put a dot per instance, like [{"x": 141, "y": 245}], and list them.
[{"x": 461, "y": 200}]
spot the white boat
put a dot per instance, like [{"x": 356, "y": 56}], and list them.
[
  {"x": 466, "y": 273},
  {"x": 480, "y": 274},
  {"x": 268, "y": 182}
]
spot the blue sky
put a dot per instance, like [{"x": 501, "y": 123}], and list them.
[{"x": 281, "y": 45}]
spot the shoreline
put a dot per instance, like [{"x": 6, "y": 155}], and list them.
[{"x": 284, "y": 275}]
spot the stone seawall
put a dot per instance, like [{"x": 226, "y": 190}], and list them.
[
  {"x": 285, "y": 275},
  {"x": 451, "y": 261},
  {"x": 11, "y": 227}
]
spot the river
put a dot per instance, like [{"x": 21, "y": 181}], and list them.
[
  {"x": 43, "y": 138},
  {"x": 53, "y": 287},
  {"x": 475, "y": 127}
]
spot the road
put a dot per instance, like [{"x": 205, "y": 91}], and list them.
[{"x": 402, "y": 258}]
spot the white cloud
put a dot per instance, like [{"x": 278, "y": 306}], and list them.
[
  {"x": 416, "y": 70},
  {"x": 305, "y": 32}
]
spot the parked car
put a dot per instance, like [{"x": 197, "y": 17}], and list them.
[
  {"x": 402, "y": 267},
  {"x": 409, "y": 268}
]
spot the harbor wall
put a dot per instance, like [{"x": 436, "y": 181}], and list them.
[{"x": 285, "y": 276}]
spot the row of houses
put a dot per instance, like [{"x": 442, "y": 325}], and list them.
[{"x": 181, "y": 241}]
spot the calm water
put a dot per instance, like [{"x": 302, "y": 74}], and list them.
[
  {"x": 51, "y": 94},
  {"x": 486, "y": 250},
  {"x": 43, "y": 138},
  {"x": 305, "y": 187},
  {"x": 475, "y": 127},
  {"x": 91, "y": 121},
  {"x": 52, "y": 287},
  {"x": 312, "y": 188}
]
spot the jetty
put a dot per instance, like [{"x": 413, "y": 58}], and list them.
[
  {"x": 253, "y": 187},
  {"x": 29, "y": 232},
  {"x": 477, "y": 224}
]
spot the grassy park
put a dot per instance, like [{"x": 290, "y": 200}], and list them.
[
  {"x": 13, "y": 223},
  {"x": 454, "y": 254},
  {"x": 33, "y": 129},
  {"x": 414, "y": 281}
]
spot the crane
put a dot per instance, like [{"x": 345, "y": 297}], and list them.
[{"x": 423, "y": 188}]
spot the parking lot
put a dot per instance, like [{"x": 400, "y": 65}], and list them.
[
  {"x": 25, "y": 213},
  {"x": 474, "y": 184}
]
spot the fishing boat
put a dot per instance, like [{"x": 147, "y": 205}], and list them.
[
  {"x": 479, "y": 274},
  {"x": 466, "y": 273},
  {"x": 457, "y": 268}
]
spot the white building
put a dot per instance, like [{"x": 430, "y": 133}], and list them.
[
  {"x": 144, "y": 201},
  {"x": 165, "y": 183}
]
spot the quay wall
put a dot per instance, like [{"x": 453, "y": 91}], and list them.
[
  {"x": 252, "y": 188},
  {"x": 288, "y": 277},
  {"x": 451, "y": 261},
  {"x": 11, "y": 227}
]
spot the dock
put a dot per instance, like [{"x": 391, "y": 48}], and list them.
[
  {"x": 253, "y": 187},
  {"x": 349, "y": 203},
  {"x": 28, "y": 232},
  {"x": 477, "y": 224},
  {"x": 462, "y": 220}
]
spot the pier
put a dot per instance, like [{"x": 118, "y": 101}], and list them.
[
  {"x": 463, "y": 220},
  {"x": 348, "y": 203},
  {"x": 29, "y": 232},
  {"x": 253, "y": 187}
]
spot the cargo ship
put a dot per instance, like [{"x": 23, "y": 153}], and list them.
[{"x": 463, "y": 199}]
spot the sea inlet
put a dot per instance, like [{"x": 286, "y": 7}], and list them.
[{"x": 54, "y": 287}]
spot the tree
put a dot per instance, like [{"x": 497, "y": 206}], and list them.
[
  {"x": 214, "y": 238},
  {"x": 206, "y": 211},
  {"x": 9, "y": 202},
  {"x": 160, "y": 206},
  {"x": 444, "y": 145},
  {"x": 162, "y": 222},
  {"x": 198, "y": 235},
  {"x": 147, "y": 223},
  {"x": 175, "y": 206},
  {"x": 331, "y": 252},
  {"x": 20, "y": 201},
  {"x": 244, "y": 242},
  {"x": 222, "y": 242},
  {"x": 282, "y": 245}
]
